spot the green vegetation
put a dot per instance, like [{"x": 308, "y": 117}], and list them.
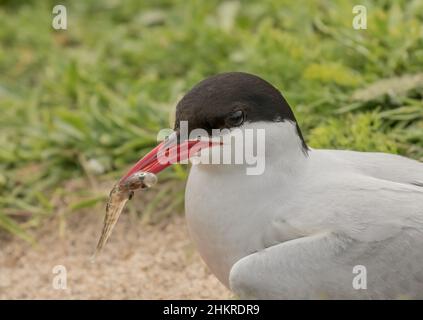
[{"x": 86, "y": 102}]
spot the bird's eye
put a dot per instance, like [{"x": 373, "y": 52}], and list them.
[{"x": 235, "y": 119}]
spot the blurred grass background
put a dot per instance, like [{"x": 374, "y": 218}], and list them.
[{"x": 82, "y": 104}]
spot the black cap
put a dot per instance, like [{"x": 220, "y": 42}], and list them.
[{"x": 227, "y": 100}]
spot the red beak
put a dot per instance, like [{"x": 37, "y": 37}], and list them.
[{"x": 166, "y": 153}]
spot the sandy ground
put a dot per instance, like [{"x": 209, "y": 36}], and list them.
[{"x": 139, "y": 262}]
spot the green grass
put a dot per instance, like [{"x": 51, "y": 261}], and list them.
[{"x": 88, "y": 101}]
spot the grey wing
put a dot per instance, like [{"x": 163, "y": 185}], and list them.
[
  {"x": 384, "y": 166},
  {"x": 368, "y": 222},
  {"x": 332, "y": 266}
]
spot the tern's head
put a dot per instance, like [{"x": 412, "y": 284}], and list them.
[
  {"x": 229, "y": 100},
  {"x": 224, "y": 101}
]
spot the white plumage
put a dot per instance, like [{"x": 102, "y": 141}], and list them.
[{"x": 298, "y": 230}]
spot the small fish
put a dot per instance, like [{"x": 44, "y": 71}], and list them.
[{"x": 119, "y": 195}]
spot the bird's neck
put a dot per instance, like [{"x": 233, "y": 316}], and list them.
[{"x": 268, "y": 148}]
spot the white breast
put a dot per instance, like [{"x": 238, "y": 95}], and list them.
[{"x": 231, "y": 214}]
